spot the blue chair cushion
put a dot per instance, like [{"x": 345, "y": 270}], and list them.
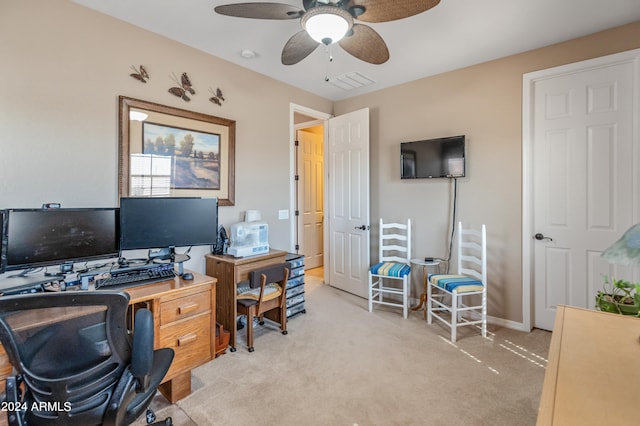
[
  {"x": 461, "y": 283},
  {"x": 390, "y": 269}
]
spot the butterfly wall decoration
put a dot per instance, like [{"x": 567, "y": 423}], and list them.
[
  {"x": 140, "y": 74},
  {"x": 217, "y": 97},
  {"x": 184, "y": 87}
]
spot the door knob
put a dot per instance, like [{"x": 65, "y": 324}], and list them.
[
  {"x": 540, "y": 237},
  {"x": 362, "y": 228}
]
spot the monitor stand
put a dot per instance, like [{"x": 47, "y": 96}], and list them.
[
  {"x": 173, "y": 258},
  {"x": 64, "y": 269}
]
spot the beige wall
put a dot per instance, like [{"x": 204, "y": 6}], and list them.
[
  {"x": 62, "y": 69},
  {"x": 484, "y": 102},
  {"x": 64, "y": 66}
]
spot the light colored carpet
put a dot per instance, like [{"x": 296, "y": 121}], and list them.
[{"x": 341, "y": 365}]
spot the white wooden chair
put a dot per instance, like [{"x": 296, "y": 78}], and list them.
[
  {"x": 447, "y": 294},
  {"x": 389, "y": 279}
]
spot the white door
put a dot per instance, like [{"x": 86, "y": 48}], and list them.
[
  {"x": 584, "y": 193},
  {"x": 311, "y": 195},
  {"x": 348, "y": 154}
]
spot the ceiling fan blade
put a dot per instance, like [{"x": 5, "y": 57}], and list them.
[
  {"x": 298, "y": 47},
  {"x": 384, "y": 11},
  {"x": 366, "y": 45},
  {"x": 260, "y": 10}
]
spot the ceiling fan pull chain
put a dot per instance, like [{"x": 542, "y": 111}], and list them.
[{"x": 330, "y": 56}]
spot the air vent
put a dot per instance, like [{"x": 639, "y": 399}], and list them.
[{"x": 351, "y": 80}]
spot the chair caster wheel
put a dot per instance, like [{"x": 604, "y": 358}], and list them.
[
  {"x": 251, "y": 349},
  {"x": 233, "y": 349},
  {"x": 285, "y": 332},
  {"x": 261, "y": 323}
]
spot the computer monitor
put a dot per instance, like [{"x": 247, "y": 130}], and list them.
[
  {"x": 38, "y": 237},
  {"x": 1, "y": 241},
  {"x": 167, "y": 222}
]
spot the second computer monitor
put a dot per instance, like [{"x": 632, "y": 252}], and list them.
[{"x": 152, "y": 223}]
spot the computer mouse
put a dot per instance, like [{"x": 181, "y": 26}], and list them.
[{"x": 187, "y": 276}]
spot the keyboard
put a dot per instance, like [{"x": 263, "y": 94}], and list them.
[{"x": 135, "y": 278}]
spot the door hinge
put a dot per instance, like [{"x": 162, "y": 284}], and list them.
[
  {"x": 297, "y": 213},
  {"x": 297, "y": 247},
  {"x": 296, "y": 142},
  {"x": 297, "y": 177}
]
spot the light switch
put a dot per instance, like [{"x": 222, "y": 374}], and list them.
[{"x": 283, "y": 214}]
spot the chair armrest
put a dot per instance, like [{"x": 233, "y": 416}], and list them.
[
  {"x": 15, "y": 407},
  {"x": 142, "y": 350}
]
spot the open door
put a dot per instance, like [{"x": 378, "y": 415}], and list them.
[{"x": 348, "y": 202}]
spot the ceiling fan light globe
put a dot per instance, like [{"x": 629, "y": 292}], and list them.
[{"x": 327, "y": 24}]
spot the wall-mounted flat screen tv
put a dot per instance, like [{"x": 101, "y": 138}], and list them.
[{"x": 433, "y": 158}]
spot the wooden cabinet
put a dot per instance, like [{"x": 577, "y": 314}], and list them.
[
  {"x": 185, "y": 326},
  {"x": 593, "y": 369}
]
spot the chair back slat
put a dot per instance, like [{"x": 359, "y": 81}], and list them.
[
  {"x": 395, "y": 242},
  {"x": 472, "y": 252},
  {"x": 397, "y": 259},
  {"x": 472, "y": 273},
  {"x": 273, "y": 274},
  {"x": 396, "y": 247}
]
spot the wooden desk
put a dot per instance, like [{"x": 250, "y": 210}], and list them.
[
  {"x": 593, "y": 370},
  {"x": 230, "y": 271},
  {"x": 184, "y": 317},
  {"x": 184, "y": 314}
]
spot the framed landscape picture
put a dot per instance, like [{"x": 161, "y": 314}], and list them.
[
  {"x": 167, "y": 151},
  {"x": 194, "y": 155}
]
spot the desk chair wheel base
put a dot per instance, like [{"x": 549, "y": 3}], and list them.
[
  {"x": 233, "y": 349},
  {"x": 285, "y": 332},
  {"x": 250, "y": 349},
  {"x": 151, "y": 418}
]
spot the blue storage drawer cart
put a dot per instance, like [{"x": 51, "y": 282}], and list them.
[{"x": 295, "y": 285}]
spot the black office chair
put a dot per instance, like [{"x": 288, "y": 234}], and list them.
[{"x": 75, "y": 362}]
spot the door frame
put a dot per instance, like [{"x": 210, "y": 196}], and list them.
[
  {"x": 528, "y": 82},
  {"x": 319, "y": 118},
  {"x": 298, "y": 225}
]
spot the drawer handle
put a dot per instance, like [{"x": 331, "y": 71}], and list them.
[
  {"x": 185, "y": 340},
  {"x": 187, "y": 307}
]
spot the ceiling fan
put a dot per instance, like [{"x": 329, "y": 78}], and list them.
[{"x": 327, "y": 22}]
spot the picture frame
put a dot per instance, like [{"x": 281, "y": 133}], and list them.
[{"x": 174, "y": 152}]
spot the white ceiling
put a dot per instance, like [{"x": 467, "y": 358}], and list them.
[{"x": 452, "y": 35}]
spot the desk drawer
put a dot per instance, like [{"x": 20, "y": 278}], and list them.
[
  {"x": 185, "y": 307},
  {"x": 191, "y": 341}
]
